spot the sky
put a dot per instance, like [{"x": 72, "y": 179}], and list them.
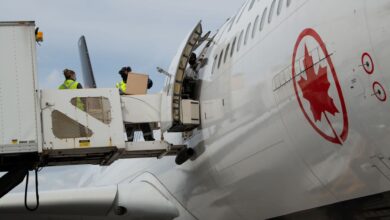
[{"x": 142, "y": 34}]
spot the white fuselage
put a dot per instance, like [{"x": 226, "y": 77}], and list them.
[
  {"x": 265, "y": 149},
  {"x": 259, "y": 156}
]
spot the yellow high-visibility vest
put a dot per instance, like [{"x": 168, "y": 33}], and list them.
[{"x": 122, "y": 86}]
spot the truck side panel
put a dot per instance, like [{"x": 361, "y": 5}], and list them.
[{"x": 18, "y": 118}]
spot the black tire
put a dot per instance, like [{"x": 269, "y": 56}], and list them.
[{"x": 184, "y": 155}]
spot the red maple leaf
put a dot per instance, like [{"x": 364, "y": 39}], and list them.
[{"x": 315, "y": 89}]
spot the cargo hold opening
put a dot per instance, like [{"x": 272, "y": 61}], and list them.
[{"x": 185, "y": 84}]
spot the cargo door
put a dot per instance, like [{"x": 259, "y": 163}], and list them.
[{"x": 170, "y": 105}]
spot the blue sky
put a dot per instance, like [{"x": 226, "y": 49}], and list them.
[{"x": 143, "y": 34}]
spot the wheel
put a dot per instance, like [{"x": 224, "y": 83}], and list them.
[{"x": 183, "y": 155}]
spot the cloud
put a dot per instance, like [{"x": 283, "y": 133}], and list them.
[
  {"x": 143, "y": 34},
  {"x": 53, "y": 79}
]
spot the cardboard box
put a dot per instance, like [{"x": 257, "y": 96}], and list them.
[
  {"x": 137, "y": 84},
  {"x": 190, "y": 112}
]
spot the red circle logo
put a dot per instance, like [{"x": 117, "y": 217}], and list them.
[
  {"x": 368, "y": 63},
  {"x": 317, "y": 88},
  {"x": 379, "y": 91}
]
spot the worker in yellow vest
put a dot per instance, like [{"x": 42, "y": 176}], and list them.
[
  {"x": 122, "y": 85},
  {"x": 144, "y": 127},
  {"x": 71, "y": 83}
]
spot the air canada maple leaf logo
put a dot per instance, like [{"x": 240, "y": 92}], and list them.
[{"x": 317, "y": 88}]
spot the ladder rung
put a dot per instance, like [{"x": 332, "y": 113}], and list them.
[{"x": 182, "y": 69}]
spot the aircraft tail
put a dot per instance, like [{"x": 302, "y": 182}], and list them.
[{"x": 86, "y": 66}]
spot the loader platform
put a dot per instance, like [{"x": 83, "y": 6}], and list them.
[{"x": 41, "y": 128}]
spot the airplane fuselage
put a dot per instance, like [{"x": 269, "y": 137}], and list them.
[
  {"x": 294, "y": 101},
  {"x": 275, "y": 140}
]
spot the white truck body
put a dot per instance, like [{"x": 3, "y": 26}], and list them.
[{"x": 19, "y": 115}]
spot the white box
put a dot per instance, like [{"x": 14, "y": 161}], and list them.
[
  {"x": 141, "y": 108},
  {"x": 97, "y": 125},
  {"x": 190, "y": 112}
]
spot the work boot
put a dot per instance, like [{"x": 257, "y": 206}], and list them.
[
  {"x": 147, "y": 131},
  {"x": 149, "y": 138},
  {"x": 129, "y": 133}
]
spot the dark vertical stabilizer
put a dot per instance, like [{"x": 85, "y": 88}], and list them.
[{"x": 88, "y": 77}]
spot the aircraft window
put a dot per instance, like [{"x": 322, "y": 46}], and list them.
[
  {"x": 233, "y": 46},
  {"x": 288, "y": 3},
  {"x": 240, "y": 40},
  {"x": 97, "y": 107},
  {"x": 263, "y": 19},
  {"x": 231, "y": 24},
  {"x": 271, "y": 11},
  {"x": 251, "y": 5},
  {"x": 215, "y": 63},
  {"x": 242, "y": 11},
  {"x": 64, "y": 127},
  {"x": 220, "y": 59},
  {"x": 226, "y": 53},
  {"x": 255, "y": 26},
  {"x": 280, "y": 6},
  {"x": 248, "y": 30}
]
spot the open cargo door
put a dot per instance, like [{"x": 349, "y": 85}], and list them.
[{"x": 171, "y": 107}]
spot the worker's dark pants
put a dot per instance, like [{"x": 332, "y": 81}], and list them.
[{"x": 144, "y": 127}]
